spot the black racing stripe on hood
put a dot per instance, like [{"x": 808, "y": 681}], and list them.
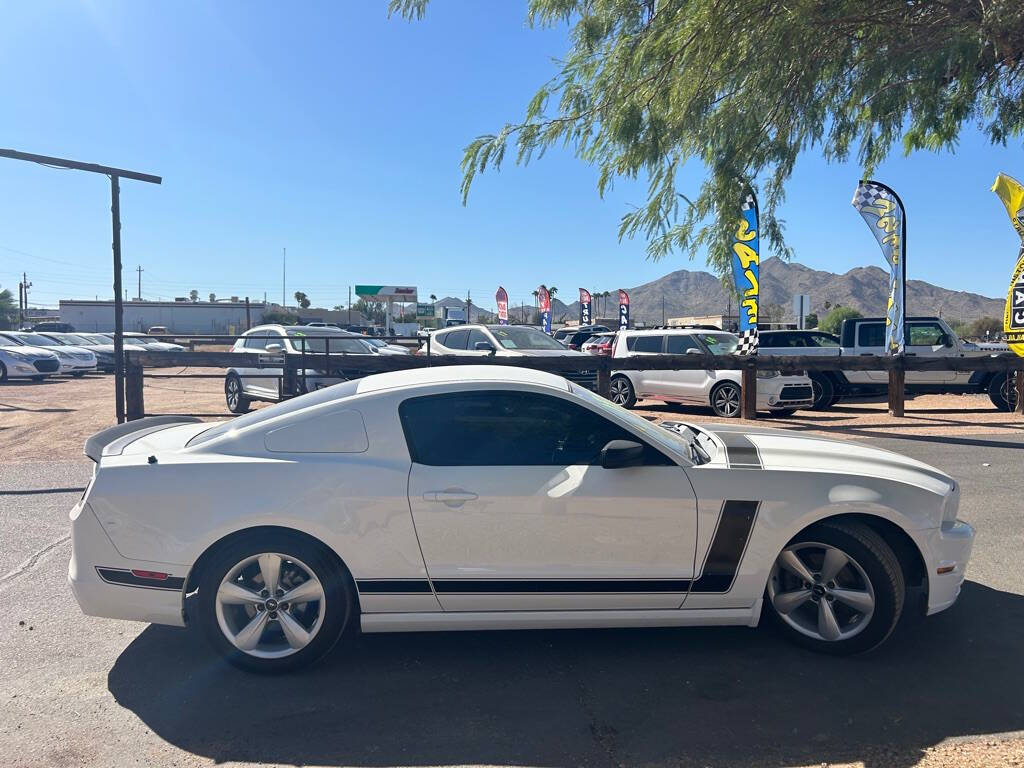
[{"x": 740, "y": 452}]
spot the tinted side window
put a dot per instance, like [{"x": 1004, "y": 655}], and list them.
[
  {"x": 924, "y": 334},
  {"x": 476, "y": 335},
  {"x": 507, "y": 428},
  {"x": 823, "y": 340},
  {"x": 871, "y": 335},
  {"x": 648, "y": 343},
  {"x": 678, "y": 345},
  {"x": 455, "y": 339}
]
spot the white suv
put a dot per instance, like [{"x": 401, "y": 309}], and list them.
[
  {"x": 719, "y": 389},
  {"x": 242, "y": 385}
]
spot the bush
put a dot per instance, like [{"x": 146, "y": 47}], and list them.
[{"x": 833, "y": 321}]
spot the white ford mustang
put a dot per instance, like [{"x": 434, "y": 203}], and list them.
[{"x": 484, "y": 497}]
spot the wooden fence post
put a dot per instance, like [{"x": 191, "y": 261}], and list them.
[
  {"x": 1019, "y": 386},
  {"x": 135, "y": 407},
  {"x": 897, "y": 388},
  {"x": 748, "y": 392}
]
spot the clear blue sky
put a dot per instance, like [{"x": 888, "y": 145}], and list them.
[{"x": 326, "y": 128}]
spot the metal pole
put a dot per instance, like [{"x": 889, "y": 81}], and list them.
[
  {"x": 350, "y": 305},
  {"x": 248, "y": 317},
  {"x": 115, "y": 217},
  {"x": 284, "y": 265}
]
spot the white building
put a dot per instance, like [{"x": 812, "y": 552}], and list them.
[{"x": 221, "y": 317}]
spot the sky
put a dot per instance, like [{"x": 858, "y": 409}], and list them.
[{"x": 330, "y": 130}]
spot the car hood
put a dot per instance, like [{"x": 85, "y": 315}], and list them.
[
  {"x": 36, "y": 351},
  {"x": 782, "y": 450}
]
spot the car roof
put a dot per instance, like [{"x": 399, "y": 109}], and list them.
[{"x": 460, "y": 374}]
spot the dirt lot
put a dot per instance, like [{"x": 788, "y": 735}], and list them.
[{"x": 52, "y": 419}]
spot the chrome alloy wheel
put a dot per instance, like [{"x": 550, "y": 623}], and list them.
[
  {"x": 726, "y": 400},
  {"x": 233, "y": 390},
  {"x": 821, "y": 592},
  {"x": 270, "y": 605},
  {"x": 619, "y": 391}
]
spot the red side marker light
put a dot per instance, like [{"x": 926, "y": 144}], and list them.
[{"x": 157, "y": 575}]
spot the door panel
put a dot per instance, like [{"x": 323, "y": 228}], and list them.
[
  {"x": 555, "y": 538},
  {"x": 923, "y": 341}
]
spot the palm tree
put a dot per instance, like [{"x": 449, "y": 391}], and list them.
[
  {"x": 536, "y": 294},
  {"x": 433, "y": 297},
  {"x": 552, "y": 291}
]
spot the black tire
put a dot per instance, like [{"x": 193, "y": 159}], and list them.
[
  {"x": 835, "y": 399},
  {"x": 78, "y": 374},
  {"x": 3, "y": 373},
  {"x": 1002, "y": 393},
  {"x": 38, "y": 379},
  {"x": 725, "y": 400},
  {"x": 237, "y": 402},
  {"x": 339, "y": 604},
  {"x": 622, "y": 392},
  {"x": 824, "y": 392},
  {"x": 882, "y": 568}
]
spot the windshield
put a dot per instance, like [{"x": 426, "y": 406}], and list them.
[
  {"x": 316, "y": 341},
  {"x": 36, "y": 340},
  {"x": 719, "y": 343},
  {"x": 520, "y": 337},
  {"x": 669, "y": 440},
  {"x": 376, "y": 342},
  {"x": 140, "y": 340},
  {"x": 72, "y": 338}
]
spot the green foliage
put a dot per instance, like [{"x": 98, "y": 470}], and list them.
[
  {"x": 302, "y": 299},
  {"x": 8, "y": 310},
  {"x": 833, "y": 321},
  {"x": 193, "y": 295},
  {"x": 811, "y": 320},
  {"x": 743, "y": 86},
  {"x": 374, "y": 311},
  {"x": 986, "y": 327},
  {"x": 281, "y": 318}
]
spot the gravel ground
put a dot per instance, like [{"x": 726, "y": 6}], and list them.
[{"x": 79, "y": 691}]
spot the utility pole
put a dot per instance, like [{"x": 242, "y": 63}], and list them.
[
  {"x": 350, "y": 305},
  {"x": 284, "y": 264},
  {"x": 663, "y": 310},
  {"x": 469, "y": 305},
  {"x": 140, "y": 270},
  {"x": 25, "y": 286}
]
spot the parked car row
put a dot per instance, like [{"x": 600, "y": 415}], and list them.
[{"x": 38, "y": 354}]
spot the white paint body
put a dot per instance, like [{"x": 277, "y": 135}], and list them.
[
  {"x": 335, "y": 465},
  {"x": 22, "y": 362}
]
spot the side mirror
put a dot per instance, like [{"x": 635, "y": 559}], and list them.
[
  {"x": 274, "y": 347},
  {"x": 946, "y": 340},
  {"x": 483, "y": 346},
  {"x": 692, "y": 351},
  {"x": 622, "y": 453}
]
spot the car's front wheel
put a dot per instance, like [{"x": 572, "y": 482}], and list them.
[
  {"x": 836, "y": 588},
  {"x": 824, "y": 391},
  {"x": 272, "y": 602},
  {"x": 3, "y": 373},
  {"x": 237, "y": 402},
  {"x": 622, "y": 392},
  {"x": 725, "y": 400}
]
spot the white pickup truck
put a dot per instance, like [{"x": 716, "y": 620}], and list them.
[{"x": 926, "y": 337}]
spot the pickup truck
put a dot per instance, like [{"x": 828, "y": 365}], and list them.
[{"x": 926, "y": 337}]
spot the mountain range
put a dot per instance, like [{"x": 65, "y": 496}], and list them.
[{"x": 686, "y": 292}]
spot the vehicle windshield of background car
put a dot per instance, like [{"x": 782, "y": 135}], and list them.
[
  {"x": 661, "y": 437},
  {"x": 519, "y": 337},
  {"x": 720, "y": 343},
  {"x": 74, "y": 340},
  {"x": 35, "y": 340},
  {"x": 316, "y": 342}
]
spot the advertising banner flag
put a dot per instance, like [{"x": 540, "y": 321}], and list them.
[
  {"x": 501, "y": 297},
  {"x": 1011, "y": 193},
  {"x": 746, "y": 272},
  {"x": 883, "y": 211},
  {"x": 544, "y": 299},
  {"x": 623, "y": 310},
  {"x": 585, "y": 304}
]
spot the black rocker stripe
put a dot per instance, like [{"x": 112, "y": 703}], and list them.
[
  {"x": 570, "y": 586},
  {"x": 126, "y": 578},
  {"x": 394, "y": 586},
  {"x": 727, "y": 547},
  {"x": 740, "y": 452}
]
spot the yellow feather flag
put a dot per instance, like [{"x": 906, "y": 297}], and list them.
[{"x": 1011, "y": 193}]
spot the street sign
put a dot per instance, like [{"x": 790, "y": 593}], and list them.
[{"x": 424, "y": 310}]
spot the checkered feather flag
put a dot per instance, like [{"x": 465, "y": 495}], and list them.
[{"x": 748, "y": 342}]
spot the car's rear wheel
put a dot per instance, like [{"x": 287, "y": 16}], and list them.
[
  {"x": 836, "y": 588},
  {"x": 271, "y": 603},
  {"x": 725, "y": 400},
  {"x": 1002, "y": 393},
  {"x": 237, "y": 402},
  {"x": 3, "y": 373},
  {"x": 621, "y": 392},
  {"x": 823, "y": 390}
]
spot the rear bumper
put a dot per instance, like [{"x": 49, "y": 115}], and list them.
[
  {"x": 947, "y": 549},
  {"x": 104, "y": 584}
]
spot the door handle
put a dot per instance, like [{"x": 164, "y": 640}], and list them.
[{"x": 453, "y": 497}]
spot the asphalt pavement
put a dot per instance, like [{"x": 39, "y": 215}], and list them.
[{"x": 78, "y": 691}]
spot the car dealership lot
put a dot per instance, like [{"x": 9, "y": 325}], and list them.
[{"x": 78, "y": 690}]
